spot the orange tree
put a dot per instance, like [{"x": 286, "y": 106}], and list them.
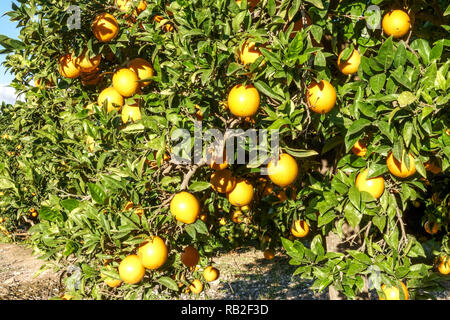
[{"x": 361, "y": 106}]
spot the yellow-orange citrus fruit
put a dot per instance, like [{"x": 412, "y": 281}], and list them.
[
  {"x": 396, "y": 23},
  {"x": 128, "y": 206},
  {"x": 68, "y": 66},
  {"x": 351, "y": 65},
  {"x": 431, "y": 228},
  {"x": 105, "y": 27},
  {"x": 243, "y": 100},
  {"x": 113, "y": 283},
  {"x": 219, "y": 164},
  {"x": 88, "y": 64},
  {"x": 269, "y": 254},
  {"x": 300, "y": 229},
  {"x": 131, "y": 270},
  {"x": 125, "y": 81},
  {"x": 124, "y": 6},
  {"x": 113, "y": 98},
  {"x": 242, "y": 194},
  {"x": 190, "y": 256},
  {"x": 153, "y": 254},
  {"x": 444, "y": 265},
  {"x": 210, "y": 273},
  {"x": 284, "y": 171},
  {"x": 249, "y": 53},
  {"x": 143, "y": 69},
  {"x": 222, "y": 181},
  {"x": 185, "y": 207},
  {"x": 92, "y": 78},
  {"x": 237, "y": 216},
  {"x": 359, "y": 149},
  {"x": 392, "y": 293},
  {"x": 34, "y": 214},
  {"x": 374, "y": 186},
  {"x": 433, "y": 165},
  {"x": 321, "y": 96},
  {"x": 131, "y": 113},
  {"x": 398, "y": 168},
  {"x": 167, "y": 27},
  {"x": 196, "y": 286}
]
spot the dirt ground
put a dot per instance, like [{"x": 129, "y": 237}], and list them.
[{"x": 244, "y": 275}]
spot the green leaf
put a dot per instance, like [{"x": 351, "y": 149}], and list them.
[
  {"x": 358, "y": 126},
  {"x": 97, "y": 193},
  {"x": 316, "y": 3},
  {"x": 198, "y": 186},
  {"x": 386, "y": 54},
  {"x": 406, "y": 98},
  {"x": 266, "y": 90},
  {"x": 316, "y": 246},
  {"x": 355, "y": 197},
  {"x": 423, "y": 47},
  {"x": 352, "y": 215},
  {"x": 70, "y": 204},
  {"x": 168, "y": 283},
  {"x": 377, "y": 82}
]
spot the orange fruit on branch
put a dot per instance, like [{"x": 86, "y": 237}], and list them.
[
  {"x": 243, "y": 100},
  {"x": 374, "y": 186},
  {"x": 131, "y": 270},
  {"x": 210, "y": 274},
  {"x": 249, "y": 53},
  {"x": 393, "y": 293},
  {"x": 359, "y": 149},
  {"x": 131, "y": 113},
  {"x": 196, "y": 286},
  {"x": 242, "y": 194},
  {"x": 112, "y": 97},
  {"x": 321, "y": 96},
  {"x": 431, "y": 227},
  {"x": 284, "y": 171},
  {"x": 351, "y": 65},
  {"x": 444, "y": 265},
  {"x": 300, "y": 229},
  {"x": 88, "y": 64},
  {"x": 396, "y": 23},
  {"x": 143, "y": 69},
  {"x": 105, "y": 27},
  {"x": 125, "y": 81},
  {"x": 190, "y": 256},
  {"x": 222, "y": 181},
  {"x": 398, "y": 168},
  {"x": 68, "y": 66},
  {"x": 153, "y": 254},
  {"x": 185, "y": 207}
]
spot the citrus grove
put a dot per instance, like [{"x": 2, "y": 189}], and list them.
[{"x": 358, "y": 197}]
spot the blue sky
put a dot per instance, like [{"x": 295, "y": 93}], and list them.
[{"x": 8, "y": 28}]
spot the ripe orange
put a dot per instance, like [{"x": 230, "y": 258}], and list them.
[
  {"x": 374, "y": 186},
  {"x": 269, "y": 254},
  {"x": 125, "y": 82},
  {"x": 131, "y": 270},
  {"x": 242, "y": 194},
  {"x": 124, "y": 6},
  {"x": 114, "y": 99},
  {"x": 190, "y": 256},
  {"x": 248, "y": 53},
  {"x": 396, "y": 23},
  {"x": 153, "y": 254},
  {"x": 185, "y": 207},
  {"x": 143, "y": 69},
  {"x": 392, "y": 293},
  {"x": 88, "y": 64},
  {"x": 398, "y": 168},
  {"x": 351, "y": 65},
  {"x": 321, "y": 96},
  {"x": 431, "y": 229},
  {"x": 128, "y": 206},
  {"x": 243, "y": 101},
  {"x": 444, "y": 265},
  {"x": 300, "y": 229},
  {"x": 113, "y": 283},
  {"x": 105, "y": 27},
  {"x": 359, "y": 149},
  {"x": 131, "y": 113},
  {"x": 196, "y": 286},
  {"x": 284, "y": 171},
  {"x": 167, "y": 27},
  {"x": 433, "y": 165},
  {"x": 68, "y": 66},
  {"x": 223, "y": 181},
  {"x": 210, "y": 273}
]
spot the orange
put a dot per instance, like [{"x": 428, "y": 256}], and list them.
[
  {"x": 128, "y": 206},
  {"x": 185, "y": 207},
  {"x": 398, "y": 168},
  {"x": 300, "y": 229},
  {"x": 242, "y": 194},
  {"x": 131, "y": 270},
  {"x": 196, "y": 286},
  {"x": 38, "y": 83},
  {"x": 433, "y": 165},
  {"x": 351, "y": 65},
  {"x": 143, "y": 69},
  {"x": 125, "y": 82},
  {"x": 153, "y": 254},
  {"x": 243, "y": 101},
  {"x": 105, "y": 27},
  {"x": 88, "y": 64},
  {"x": 34, "y": 214},
  {"x": 113, "y": 283},
  {"x": 219, "y": 164},
  {"x": 284, "y": 171},
  {"x": 190, "y": 256},
  {"x": 444, "y": 266},
  {"x": 223, "y": 181},
  {"x": 248, "y": 53},
  {"x": 392, "y": 293},
  {"x": 68, "y": 66},
  {"x": 167, "y": 27},
  {"x": 269, "y": 254},
  {"x": 114, "y": 99},
  {"x": 321, "y": 96},
  {"x": 433, "y": 229},
  {"x": 124, "y": 6},
  {"x": 210, "y": 273},
  {"x": 92, "y": 78},
  {"x": 374, "y": 186},
  {"x": 359, "y": 148},
  {"x": 203, "y": 217},
  {"x": 396, "y": 23},
  {"x": 131, "y": 113}
]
